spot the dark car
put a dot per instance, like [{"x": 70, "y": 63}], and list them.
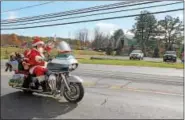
[{"x": 170, "y": 56}]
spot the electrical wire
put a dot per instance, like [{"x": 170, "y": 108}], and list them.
[
  {"x": 95, "y": 14},
  {"x": 109, "y": 18},
  {"x": 66, "y": 11},
  {"x": 16, "y": 9},
  {"x": 80, "y": 12}
]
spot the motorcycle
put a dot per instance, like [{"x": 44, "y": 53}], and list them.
[{"x": 59, "y": 81}]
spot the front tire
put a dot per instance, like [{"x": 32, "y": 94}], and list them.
[{"x": 79, "y": 92}]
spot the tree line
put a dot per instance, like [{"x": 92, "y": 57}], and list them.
[
  {"x": 152, "y": 36},
  {"x": 15, "y": 40}
]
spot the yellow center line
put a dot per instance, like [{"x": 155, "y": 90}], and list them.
[
  {"x": 115, "y": 87},
  {"x": 89, "y": 84},
  {"x": 151, "y": 91}
]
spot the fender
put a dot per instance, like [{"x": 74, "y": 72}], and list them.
[{"x": 75, "y": 79}]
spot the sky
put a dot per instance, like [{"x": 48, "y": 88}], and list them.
[{"x": 66, "y": 31}]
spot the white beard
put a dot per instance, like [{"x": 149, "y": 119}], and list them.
[{"x": 41, "y": 50}]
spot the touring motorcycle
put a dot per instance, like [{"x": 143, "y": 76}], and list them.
[{"x": 59, "y": 80}]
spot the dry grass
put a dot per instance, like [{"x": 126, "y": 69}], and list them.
[{"x": 6, "y": 51}]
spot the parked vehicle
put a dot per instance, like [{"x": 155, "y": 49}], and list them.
[
  {"x": 136, "y": 54},
  {"x": 170, "y": 56}
]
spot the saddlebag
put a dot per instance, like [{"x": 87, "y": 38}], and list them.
[{"x": 17, "y": 80}]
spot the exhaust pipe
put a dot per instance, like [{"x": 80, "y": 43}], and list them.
[{"x": 37, "y": 91}]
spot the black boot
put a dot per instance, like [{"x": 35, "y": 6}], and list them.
[
  {"x": 32, "y": 82},
  {"x": 6, "y": 69},
  {"x": 44, "y": 86}
]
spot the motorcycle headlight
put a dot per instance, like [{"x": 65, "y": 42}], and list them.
[
  {"x": 74, "y": 66},
  {"x": 70, "y": 67}
]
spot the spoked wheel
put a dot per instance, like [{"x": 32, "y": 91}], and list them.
[{"x": 76, "y": 94}]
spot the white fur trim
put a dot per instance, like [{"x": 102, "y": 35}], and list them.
[
  {"x": 32, "y": 69},
  {"x": 42, "y": 55},
  {"x": 28, "y": 52},
  {"x": 45, "y": 64},
  {"x": 38, "y": 58},
  {"x": 37, "y": 43}
]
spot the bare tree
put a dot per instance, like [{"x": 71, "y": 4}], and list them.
[
  {"x": 82, "y": 35},
  {"x": 101, "y": 41}
]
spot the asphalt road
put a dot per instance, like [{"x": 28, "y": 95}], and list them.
[{"x": 120, "y": 96}]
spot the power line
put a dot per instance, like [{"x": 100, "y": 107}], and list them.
[
  {"x": 59, "y": 15},
  {"x": 94, "y": 14},
  {"x": 16, "y": 9},
  {"x": 66, "y": 11},
  {"x": 109, "y": 18},
  {"x": 77, "y": 12},
  {"x": 101, "y": 6}
]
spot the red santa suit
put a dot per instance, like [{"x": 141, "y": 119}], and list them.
[
  {"x": 25, "y": 62},
  {"x": 37, "y": 64},
  {"x": 26, "y": 53},
  {"x": 38, "y": 67}
]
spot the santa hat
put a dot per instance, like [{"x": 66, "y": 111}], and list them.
[{"x": 37, "y": 41}]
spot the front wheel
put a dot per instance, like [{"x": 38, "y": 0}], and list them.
[{"x": 76, "y": 94}]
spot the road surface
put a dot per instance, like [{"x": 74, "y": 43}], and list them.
[{"x": 107, "y": 96}]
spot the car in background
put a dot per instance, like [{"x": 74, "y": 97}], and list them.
[
  {"x": 136, "y": 54},
  {"x": 170, "y": 56}
]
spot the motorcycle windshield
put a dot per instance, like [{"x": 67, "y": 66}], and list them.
[
  {"x": 64, "y": 55},
  {"x": 63, "y": 46}
]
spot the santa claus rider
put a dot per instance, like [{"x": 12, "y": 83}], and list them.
[{"x": 36, "y": 59}]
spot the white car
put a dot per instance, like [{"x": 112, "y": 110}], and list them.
[
  {"x": 136, "y": 54},
  {"x": 64, "y": 61}
]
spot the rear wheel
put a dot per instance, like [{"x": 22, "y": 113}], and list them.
[{"x": 76, "y": 94}]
